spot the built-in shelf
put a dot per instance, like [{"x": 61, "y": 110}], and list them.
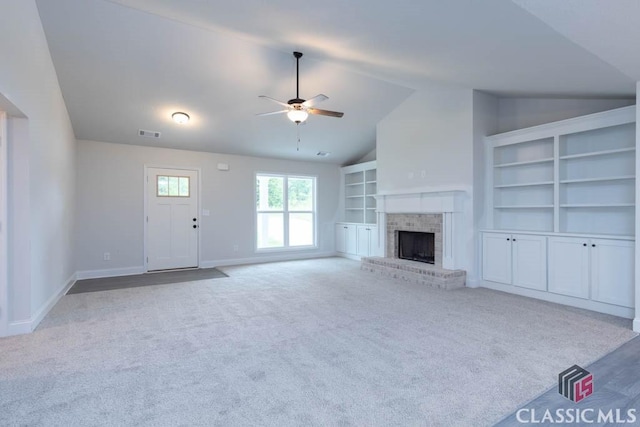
[
  {"x": 525, "y": 207},
  {"x": 598, "y": 205},
  {"x": 360, "y": 188},
  {"x": 526, "y": 162},
  {"x": 598, "y": 153},
  {"x": 576, "y": 176},
  {"x": 603, "y": 179},
  {"x": 525, "y": 184}
]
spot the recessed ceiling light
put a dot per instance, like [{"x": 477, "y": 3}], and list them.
[
  {"x": 180, "y": 117},
  {"x": 323, "y": 153}
]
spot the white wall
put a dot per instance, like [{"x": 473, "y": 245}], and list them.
[
  {"x": 110, "y": 204},
  {"x": 636, "y": 321},
  {"x": 29, "y": 81},
  {"x": 485, "y": 122},
  {"x": 427, "y": 144},
  {"x": 517, "y": 113}
]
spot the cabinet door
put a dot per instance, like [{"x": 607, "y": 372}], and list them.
[
  {"x": 569, "y": 266},
  {"x": 363, "y": 240},
  {"x": 373, "y": 241},
  {"x": 350, "y": 239},
  {"x": 529, "y": 261},
  {"x": 496, "y": 257},
  {"x": 612, "y": 271}
]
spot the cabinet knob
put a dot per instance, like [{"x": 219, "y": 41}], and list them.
[
  {"x": 584, "y": 244},
  {"x": 593, "y": 245},
  {"x": 514, "y": 240},
  {"x": 508, "y": 239}
]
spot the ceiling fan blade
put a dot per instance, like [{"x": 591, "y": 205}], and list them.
[
  {"x": 272, "y": 113},
  {"x": 284, "y": 104},
  {"x": 315, "y": 100},
  {"x": 324, "y": 112}
]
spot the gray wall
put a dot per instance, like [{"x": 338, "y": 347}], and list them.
[
  {"x": 518, "y": 113},
  {"x": 28, "y": 79},
  {"x": 110, "y": 204}
]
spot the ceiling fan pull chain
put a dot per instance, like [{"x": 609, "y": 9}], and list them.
[{"x": 298, "y": 143}]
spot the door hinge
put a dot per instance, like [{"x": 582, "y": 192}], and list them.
[
  {"x": 147, "y": 218},
  {"x": 147, "y": 260}
]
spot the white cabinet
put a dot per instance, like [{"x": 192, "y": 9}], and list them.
[
  {"x": 346, "y": 238},
  {"x": 359, "y": 187},
  {"x": 367, "y": 240},
  {"x": 599, "y": 269},
  {"x": 517, "y": 259},
  {"x": 569, "y": 266}
]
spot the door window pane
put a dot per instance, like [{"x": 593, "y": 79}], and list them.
[
  {"x": 270, "y": 230},
  {"x": 301, "y": 229},
  {"x": 172, "y": 186}
]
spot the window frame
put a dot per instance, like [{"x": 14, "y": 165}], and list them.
[{"x": 286, "y": 212}]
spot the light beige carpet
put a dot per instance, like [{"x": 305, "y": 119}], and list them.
[{"x": 315, "y": 342}]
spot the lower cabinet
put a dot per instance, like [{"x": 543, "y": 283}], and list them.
[
  {"x": 367, "y": 240},
  {"x": 346, "y": 238},
  {"x": 598, "y": 269},
  {"x": 515, "y": 259}
]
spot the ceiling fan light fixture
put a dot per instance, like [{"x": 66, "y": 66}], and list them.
[
  {"x": 180, "y": 117},
  {"x": 297, "y": 115}
]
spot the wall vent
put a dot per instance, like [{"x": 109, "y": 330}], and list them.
[{"x": 148, "y": 133}]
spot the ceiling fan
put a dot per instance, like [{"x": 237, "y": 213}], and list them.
[{"x": 298, "y": 109}]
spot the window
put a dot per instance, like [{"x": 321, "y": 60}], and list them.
[
  {"x": 286, "y": 210},
  {"x": 172, "y": 186}
]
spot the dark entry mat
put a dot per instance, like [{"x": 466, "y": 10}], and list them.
[{"x": 147, "y": 279}]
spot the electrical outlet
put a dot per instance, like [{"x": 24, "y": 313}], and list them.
[{"x": 107, "y": 256}]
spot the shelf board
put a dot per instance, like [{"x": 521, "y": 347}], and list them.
[
  {"x": 354, "y": 183},
  {"x": 371, "y": 209},
  {"x": 608, "y": 178},
  {"x": 352, "y": 209},
  {"x": 371, "y": 182},
  {"x": 354, "y": 197},
  {"x": 598, "y": 205},
  {"x": 527, "y": 162},
  {"x": 526, "y": 184},
  {"x": 597, "y": 153},
  {"x": 524, "y": 207}
]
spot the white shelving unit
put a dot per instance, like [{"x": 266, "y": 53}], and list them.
[
  {"x": 360, "y": 186},
  {"x": 571, "y": 185},
  {"x": 573, "y": 176}
]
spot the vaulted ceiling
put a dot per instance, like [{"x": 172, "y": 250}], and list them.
[{"x": 125, "y": 65}]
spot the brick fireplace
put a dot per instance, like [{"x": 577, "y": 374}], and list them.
[{"x": 438, "y": 212}]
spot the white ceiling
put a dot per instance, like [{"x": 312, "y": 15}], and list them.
[{"x": 125, "y": 65}]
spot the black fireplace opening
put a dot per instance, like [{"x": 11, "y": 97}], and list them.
[{"x": 416, "y": 246}]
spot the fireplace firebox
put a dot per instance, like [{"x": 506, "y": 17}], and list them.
[{"x": 416, "y": 246}]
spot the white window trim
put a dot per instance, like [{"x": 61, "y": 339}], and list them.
[
  {"x": 285, "y": 213},
  {"x": 4, "y": 278}
]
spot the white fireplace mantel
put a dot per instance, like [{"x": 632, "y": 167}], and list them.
[
  {"x": 421, "y": 201},
  {"x": 449, "y": 203}
]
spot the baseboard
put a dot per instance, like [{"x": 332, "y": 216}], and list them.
[
  {"x": 636, "y": 324},
  {"x": 266, "y": 258},
  {"x": 47, "y": 306},
  {"x": 473, "y": 283},
  {"x": 614, "y": 310},
  {"x": 112, "y": 272},
  {"x": 19, "y": 327},
  {"x": 27, "y": 326},
  {"x": 349, "y": 256}
]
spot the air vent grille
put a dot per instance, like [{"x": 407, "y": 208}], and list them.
[{"x": 149, "y": 133}]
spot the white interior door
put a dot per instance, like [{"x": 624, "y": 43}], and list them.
[
  {"x": 4, "y": 300},
  {"x": 172, "y": 219}
]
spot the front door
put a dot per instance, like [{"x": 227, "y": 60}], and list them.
[{"x": 172, "y": 218}]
